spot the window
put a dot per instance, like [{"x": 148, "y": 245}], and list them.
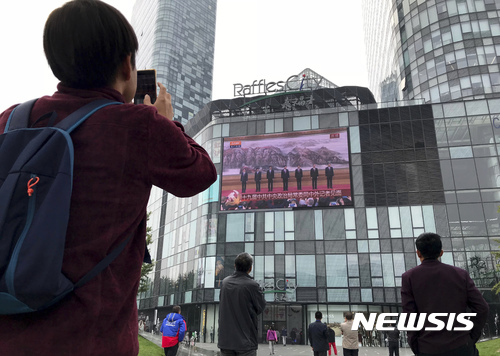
[
  {"x": 306, "y": 270},
  {"x": 338, "y": 264}
]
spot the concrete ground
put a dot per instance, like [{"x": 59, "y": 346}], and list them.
[{"x": 208, "y": 349}]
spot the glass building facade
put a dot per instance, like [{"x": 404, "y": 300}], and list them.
[
  {"x": 437, "y": 50},
  {"x": 176, "y": 37},
  {"x": 415, "y": 167}
]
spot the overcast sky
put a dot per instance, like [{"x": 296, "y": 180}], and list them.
[{"x": 255, "y": 39}]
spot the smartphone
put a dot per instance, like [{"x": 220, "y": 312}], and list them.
[{"x": 146, "y": 84}]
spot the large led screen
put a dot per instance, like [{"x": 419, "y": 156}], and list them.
[{"x": 304, "y": 169}]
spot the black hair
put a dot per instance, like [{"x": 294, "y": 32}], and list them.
[
  {"x": 86, "y": 41},
  {"x": 429, "y": 244},
  {"x": 243, "y": 262},
  {"x": 318, "y": 315},
  {"x": 176, "y": 309},
  {"x": 348, "y": 315}
]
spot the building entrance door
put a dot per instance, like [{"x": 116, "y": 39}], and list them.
[{"x": 282, "y": 316}]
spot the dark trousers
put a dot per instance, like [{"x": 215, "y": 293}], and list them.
[
  {"x": 171, "y": 351},
  {"x": 315, "y": 183},
  {"x": 243, "y": 187},
  {"x": 299, "y": 184},
  {"x": 329, "y": 182},
  {"x": 319, "y": 353},
  {"x": 238, "y": 353},
  {"x": 351, "y": 352},
  {"x": 285, "y": 184},
  {"x": 257, "y": 185},
  {"x": 270, "y": 185},
  {"x": 393, "y": 348}
]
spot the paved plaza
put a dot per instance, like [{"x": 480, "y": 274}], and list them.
[{"x": 207, "y": 349}]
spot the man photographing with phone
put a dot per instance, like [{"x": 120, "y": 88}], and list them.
[{"x": 120, "y": 152}]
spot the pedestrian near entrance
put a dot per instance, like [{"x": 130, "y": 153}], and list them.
[
  {"x": 293, "y": 336},
  {"x": 271, "y": 338},
  {"x": 393, "y": 340},
  {"x": 241, "y": 301},
  {"x": 173, "y": 330},
  {"x": 284, "y": 335},
  {"x": 318, "y": 337},
  {"x": 350, "y": 343},
  {"x": 331, "y": 341}
]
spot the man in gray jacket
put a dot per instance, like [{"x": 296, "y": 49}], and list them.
[{"x": 241, "y": 301}]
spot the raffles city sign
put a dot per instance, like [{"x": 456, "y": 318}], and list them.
[{"x": 293, "y": 83}]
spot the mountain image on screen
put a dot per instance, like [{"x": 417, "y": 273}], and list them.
[{"x": 273, "y": 156}]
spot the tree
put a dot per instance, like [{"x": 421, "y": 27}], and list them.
[
  {"x": 496, "y": 255},
  {"x": 146, "y": 267}
]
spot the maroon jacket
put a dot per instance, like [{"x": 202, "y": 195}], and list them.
[
  {"x": 435, "y": 287},
  {"x": 120, "y": 152}
]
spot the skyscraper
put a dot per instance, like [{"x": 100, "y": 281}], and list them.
[
  {"x": 434, "y": 50},
  {"x": 176, "y": 37}
]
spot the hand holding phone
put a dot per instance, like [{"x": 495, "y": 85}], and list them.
[
  {"x": 164, "y": 103},
  {"x": 146, "y": 84}
]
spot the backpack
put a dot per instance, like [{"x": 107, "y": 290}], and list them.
[
  {"x": 36, "y": 177},
  {"x": 330, "y": 334}
]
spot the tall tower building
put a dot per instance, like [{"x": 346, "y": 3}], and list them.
[
  {"x": 437, "y": 50},
  {"x": 176, "y": 37}
]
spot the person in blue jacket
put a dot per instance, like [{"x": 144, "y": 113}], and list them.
[{"x": 173, "y": 330}]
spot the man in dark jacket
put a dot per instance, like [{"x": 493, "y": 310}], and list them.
[
  {"x": 435, "y": 287},
  {"x": 318, "y": 337},
  {"x": 314, "y": 176},
  {"x": 270, "y": 178},
  {"x": 285, "y": 175},
  {"x": 329, "y": 176},
  {"x": 257, "y": 177},
  {"x": 244, "y": 179},
  {"x": 393, "y": 339},
  {"x": 298, "y": 177},
  {"x": 241, "y": 301}
]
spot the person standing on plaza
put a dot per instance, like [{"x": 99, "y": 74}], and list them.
[
  {"x": 271, "y": 338},
  {"x": 331, "y": 341},
  {"x": 436, "y": 287},
  {"x": 284, "y": 335},
  {"x": 350, "y": 343},
  {"x": 270, "y": 178},
  {"x": 212, "y": 334},
  {"x": 293, "y": 336},
  {"x": 173, "y": 330},
  {"x": 241, "y": 301},
  {"x": 298, "y": 177},
  {"x": 257, "y": 178},
  {"x": 318, "y": 337},
  {"x": 314, "y": 176},
  {"x": 329, "y": 176},
  {"x": 393, "y": 340}
]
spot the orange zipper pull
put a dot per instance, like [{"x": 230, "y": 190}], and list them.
[{"x": 32, "y": 184}]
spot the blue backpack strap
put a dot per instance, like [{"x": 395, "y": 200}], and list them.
[
  {"x": 76, "y": 118},
  {"x": 20, "y": 116},
  {"x": 104, "y": 263}
]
